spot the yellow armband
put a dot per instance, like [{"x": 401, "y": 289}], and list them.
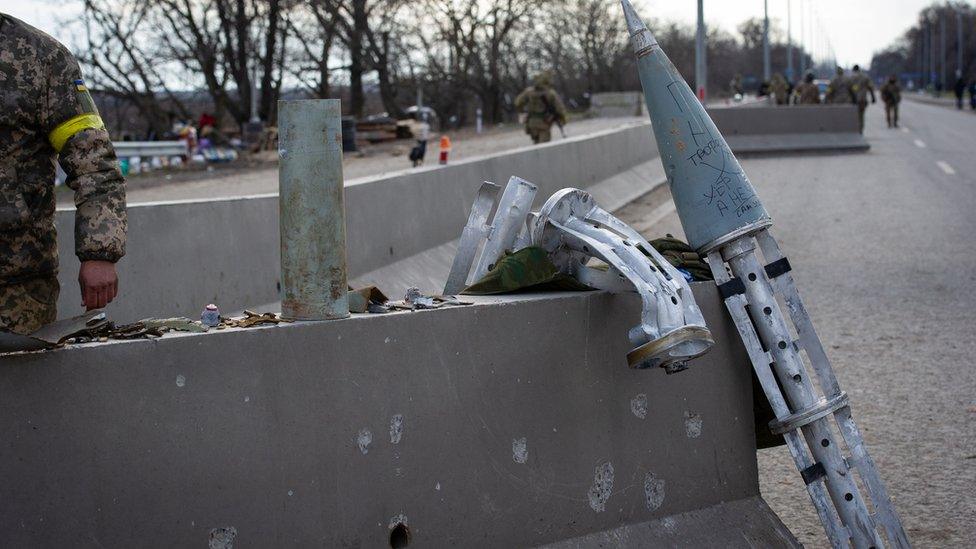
[{"x": 68, "y": 129}]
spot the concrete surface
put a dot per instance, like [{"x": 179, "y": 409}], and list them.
[
  {"x": 511, "y": 423},
  {"x": 183, "y": 255},
  {"x": 881, "y": 245},
  {"x": 813, "y": 128}
]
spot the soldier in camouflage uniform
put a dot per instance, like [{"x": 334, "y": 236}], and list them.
[
  {"x": 807, "y": 93},
  {"x": 861, "y": 86},
  {"x": 838, "y": 92},
  {"x": 46, "y": 113},
  {"x": 543, "y": 107},
  {"x": 780, "y": 89},
  {"x": 891, "y": 95}
]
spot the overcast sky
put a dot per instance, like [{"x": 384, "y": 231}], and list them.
[{"x": 855, "y": 28}]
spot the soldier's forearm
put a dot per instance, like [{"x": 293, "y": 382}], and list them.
[{"x": 89, "y": 161}]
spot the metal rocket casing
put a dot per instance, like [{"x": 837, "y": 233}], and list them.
[{"x": 714, "y": 198}]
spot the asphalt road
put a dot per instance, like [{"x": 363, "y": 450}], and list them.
[{"x": 882, "y": 246}]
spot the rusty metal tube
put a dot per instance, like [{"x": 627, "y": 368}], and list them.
[{"x": 312, "y": 211}]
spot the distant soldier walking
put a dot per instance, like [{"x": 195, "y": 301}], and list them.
[
  {"x": 780, "y": 89},
  {"x": 891, "y": 95},
  {"x": 861, "y": 86},
  {"x": 807, "y": 93},
  {"x": 47, "y": 113},
  {"x": 959, "y": 89},
  {"x": 839, "y": 91},
  {"x": 543, "y": 108}
]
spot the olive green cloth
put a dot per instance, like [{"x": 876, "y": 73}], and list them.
[
  {"x": 682, "y": 256},
  {"x": 528, "y": 269}
]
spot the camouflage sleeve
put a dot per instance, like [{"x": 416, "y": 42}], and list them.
[
  {"x": 521, "y": 100},
  {"x": 88, "y": 159},
  {"x": 559, "y": 107}
]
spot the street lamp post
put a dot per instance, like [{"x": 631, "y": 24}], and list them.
[
  {"x": 959, "y": 43},
  {"x": 789, "y": 41},
  {"x": 766, "y": 64},
  {"x": 942, "y": 32},
  {"x": 803, "y": 39},
  {"x": 701, "y": 66}
]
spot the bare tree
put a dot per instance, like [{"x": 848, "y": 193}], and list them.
[
  {"x": 236, "y": 46},
  {"x": 123, "y": 65},
  {"x": 314, "y": 31}
]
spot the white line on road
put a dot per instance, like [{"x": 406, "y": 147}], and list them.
[
  {"x": 946, "y": 167},
  {"x": 919, "y": 143}
]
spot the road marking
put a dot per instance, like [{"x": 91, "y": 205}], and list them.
[
  {"x": 919, "y": 143},
  {"x": 946, "y": 167},
  {"x": 904, "y": 129}
]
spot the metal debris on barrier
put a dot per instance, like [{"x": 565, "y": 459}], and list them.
[
  {"x": 418, "y": 300},
  {"x": 251, "y": 319},
  {"x": 573, "y": 229},
  {"x": 415, "y": 300}
]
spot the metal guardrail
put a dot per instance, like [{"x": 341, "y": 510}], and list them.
[{"x": 128, "y": 149}]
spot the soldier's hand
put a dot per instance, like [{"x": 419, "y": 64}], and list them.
[{"x": 99, "y": 283}]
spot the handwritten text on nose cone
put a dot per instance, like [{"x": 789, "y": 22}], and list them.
[{"x": 713, "y": 196}]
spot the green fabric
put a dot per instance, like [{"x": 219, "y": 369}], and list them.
[
  {"x": 528, "y": 269},
  {"x": 682, "y": 256}
]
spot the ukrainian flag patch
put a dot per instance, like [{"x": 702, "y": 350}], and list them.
[{"x": 80, "y": 85}]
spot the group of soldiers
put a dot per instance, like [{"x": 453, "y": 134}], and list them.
[{"x": 855, "y": 88}]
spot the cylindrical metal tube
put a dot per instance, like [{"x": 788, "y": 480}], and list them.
[
  {"x": 770, "y": 324},
  {"x": 312, "y": 211}
]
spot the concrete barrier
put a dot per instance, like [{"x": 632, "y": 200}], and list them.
[
  {"x": 801, "y": 128},
  {"x": 183, "y": 255},
  {"x": 400, "y": 226},
  {"x": 428, "y": 426},
  {"x": 613, "y": 104}
]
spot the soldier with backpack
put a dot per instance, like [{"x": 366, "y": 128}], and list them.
[{"x": 543, "y": 108}]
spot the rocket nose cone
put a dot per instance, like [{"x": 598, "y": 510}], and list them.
[
  {"x": 634, "y": 22},
  {"x": 640, "y": 35}
]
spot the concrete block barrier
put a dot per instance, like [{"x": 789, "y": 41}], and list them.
[
  {"x": 423, "y": 426},
  {"x": 183, "y": 255},
  {"x": 613, "y": 104},
  {"x": 801, "y": 128}
]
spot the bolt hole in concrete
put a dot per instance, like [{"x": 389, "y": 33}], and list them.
[
  {"x": 797, "y": 378},
  {"x": 399, "y": 536},
  {"x": 674, "y": 300},
  {"x": 752, "y": 277},
  {"x": 848, "y": 496},
  {"x": 825, "y": 443},
  {"x": 767, "y": 310},
  {"x": 782, "y": 344}
]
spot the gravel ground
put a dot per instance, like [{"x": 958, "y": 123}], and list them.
[
  {"x": 390, "y": 157},
  {"x": 882, "y": 249}
]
